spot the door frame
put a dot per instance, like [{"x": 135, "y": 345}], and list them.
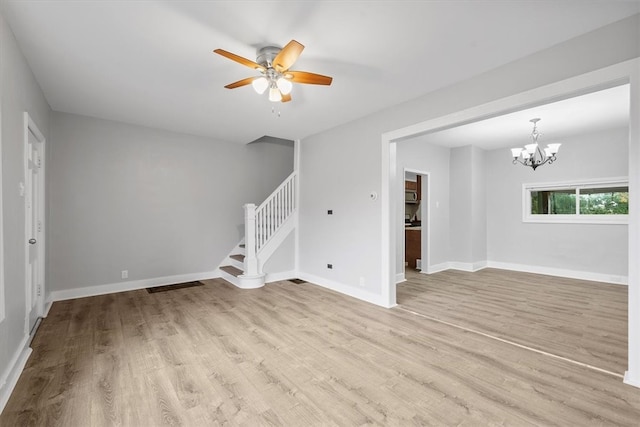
[
  {"x": 425, "y": 212},
  {"x": 31, "y": 127}
]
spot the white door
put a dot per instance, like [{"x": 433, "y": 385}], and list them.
[{"x": 34, "y": 187}]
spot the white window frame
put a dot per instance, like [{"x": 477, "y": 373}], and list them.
[{"x": 527, "y": 216}]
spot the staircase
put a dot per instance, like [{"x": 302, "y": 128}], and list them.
[{"x": 266, "y": 227}]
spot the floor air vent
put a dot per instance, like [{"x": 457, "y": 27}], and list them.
[{"x": 173, "y": 287}]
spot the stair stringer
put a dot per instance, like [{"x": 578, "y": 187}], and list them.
[{"x": 241, "y": 281}]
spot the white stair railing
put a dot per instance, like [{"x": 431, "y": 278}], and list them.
[{"x": 263, "y": 222}]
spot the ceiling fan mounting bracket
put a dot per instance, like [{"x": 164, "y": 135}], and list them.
[{"x": 266, "y": 55}]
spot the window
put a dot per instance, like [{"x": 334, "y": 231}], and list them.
[{"x": 604, "y": 201}]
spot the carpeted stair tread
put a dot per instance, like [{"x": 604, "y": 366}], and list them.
[{"x": 231, "y": 270}]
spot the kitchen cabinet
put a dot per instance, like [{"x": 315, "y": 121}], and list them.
[
  {"x": 411, "y": 185},
  {"x": 414, "y": 186},
  {"x": 412, "y": 245}
]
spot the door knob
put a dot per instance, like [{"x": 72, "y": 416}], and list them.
[{"x": 32, "y": 241}]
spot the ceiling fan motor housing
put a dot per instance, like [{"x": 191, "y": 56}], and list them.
[{"x": 266, "y": 55}]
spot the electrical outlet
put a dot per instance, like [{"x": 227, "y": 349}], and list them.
[
  {"x": 330, "y": 212},
  {"x": 361, "y": 283},
  {"x": 329, "y": 266},
  {"x": 124, "y": 274}
]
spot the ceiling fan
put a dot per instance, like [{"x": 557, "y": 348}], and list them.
[{"x": 273, "y": 64}]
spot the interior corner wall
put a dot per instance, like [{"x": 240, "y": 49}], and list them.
[
  {"x": 19, "y": 92},
  {"x": 468, "y": 222},
  {"x": 152, "y": 202},
  {"x": 591, "y": 248},
  {"x": 462, "y": 207},
  {"x": 479, "y": 203},
  {"x": 342, "y": 166}
]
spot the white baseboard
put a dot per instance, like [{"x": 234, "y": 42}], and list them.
[
  {"x": 635, "y": 382},
  {"x": 560, "y": 272},
  {"x": 133, "y": 285},
  {"x": 351, "y": 291},
  {"x": 283, "y": 275},
  {"x": 468, "y": 266},
  {"x": 10, "y": 376},
  {"x": 436, "y": 268},
  {"x": 47, "y": 307},
  {"x": 400, "y": 278}
]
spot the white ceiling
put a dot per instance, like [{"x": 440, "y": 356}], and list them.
[{"x": 151, "y": 62}]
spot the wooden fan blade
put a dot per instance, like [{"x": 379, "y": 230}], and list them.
[
  {"x": 240, "y": 59},
  {"x": 286, "y": 98},
  {"x": 287, "y": 56},
  {"x": 308, "y": 78},
  {"x": 240, "y": 83}
]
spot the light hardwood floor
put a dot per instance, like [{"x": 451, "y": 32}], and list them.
[
  {"x": 293, "y": 354},
  {"x": 581, "y": 320}
]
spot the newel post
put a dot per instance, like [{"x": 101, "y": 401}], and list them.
[{"x": 250, "y": 259}]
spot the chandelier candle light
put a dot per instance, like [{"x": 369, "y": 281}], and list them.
[{"x": 532, "y": 155}]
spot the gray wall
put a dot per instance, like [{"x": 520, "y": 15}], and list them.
[
  {"x": 341, "y": 166},
  {"x": 338, "y": 171},
  {"x": 468, "y": 206},
  {"x": 591, "y": 248},
  {"x": 19, "y": 92},
  {"x": 155, "y": 203},
  {"x": 461, "y": 190}
]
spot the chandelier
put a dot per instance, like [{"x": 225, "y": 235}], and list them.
[{"x": 532, "y": 155}]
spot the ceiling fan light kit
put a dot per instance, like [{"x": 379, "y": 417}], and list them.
[
  {"x": 274, "y": 63},
  {"x": 532, "y": 155},
  {"x": 260, "y": 85}
]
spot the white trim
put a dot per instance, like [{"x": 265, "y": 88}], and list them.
[
  {"x": 536, "y": 269},
  {"x": 345, "y": 289},
  {"x": 31, "y": 127},
  {"x": 468, "y": 266},
  {"x": 283, "y": 275},
  {"x": 436, "y": 268},
  {"x": 132, "y": 285},
  {"x": 47, "y": 308},
  {"x": 576, "y": 218},
  {"x": 400, "y": 278},
  {"x": 11, "y": 375},
  {"x": 245, "y": 281},
  {"x": 560, "y": 272},
  {"x": 635, "y": 382}
]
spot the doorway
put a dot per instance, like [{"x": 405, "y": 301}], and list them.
[
  {"x": 415, "y": 244},
  {"x": 34, "y": 190}
]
